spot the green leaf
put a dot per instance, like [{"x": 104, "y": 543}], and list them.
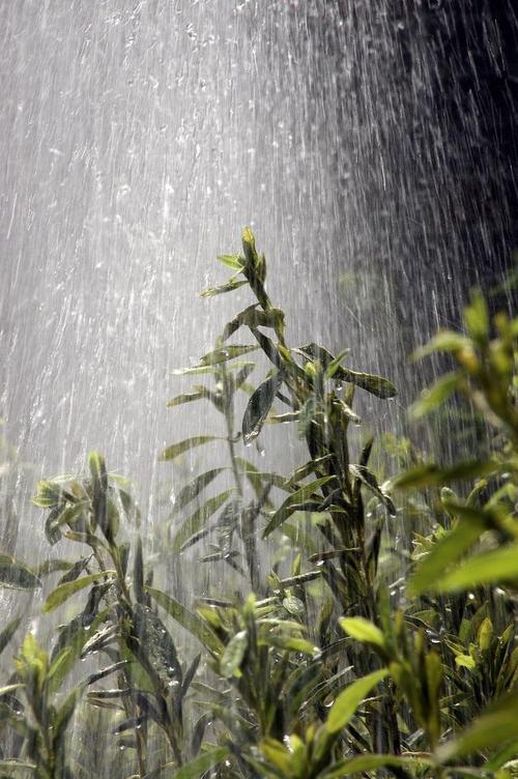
[
  {"x": 191, "y": 622},
  {"x": 233, "y": 655},
  {"x": 65, "y": 591},
  {"x": 444, "y": 341},
  {"x": 16, "y": 575},
  {"x": 430, "y": 572},
  {"x": 189, "y": 397},
  {"x": 193, "y": 489},
  {"x": 224, "y": 353},
  {"x": 233, "y": 261},
  {"x": 8, "y": 632},
  {"x": 197, "y": 521},
  {"x": 189, "y": 443},
  {"x": 434, "y": 396},
  {"x": 259, "y": 405},
  {"x": 490, "y": 731},
  {"x": 431, "y": 475},
  {"x": 376, "y": 385},
  {"x": 344, "y": 707},
  {"x": 476, "y": 318},
  {"x": 498, "y": 566},
  {"x": 367, "y": 478},
  {"x": 358, "y": 765},
  {"x": 290, "y": 504},
  {"x": 254, "y": 317},
  {"x": 15, "y": 764},
  {"x": 363, "y": 630},
  {"x": 228, "y": 286},
  {"x": 200, "y": 765}
]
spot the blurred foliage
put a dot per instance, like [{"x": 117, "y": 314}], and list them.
[{"x": 382, "y": 641}]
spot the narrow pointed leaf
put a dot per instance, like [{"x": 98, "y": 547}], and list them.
[
  {"x": 344, "y": 707},
  {"x": 290, "y": 504},
  {"x": 200, "y": 765},
  {"x": 496, "y": 567},
  {"x": 65, "y": 591},
  {"x": 193, "y": 489},
  {"x": 430, "y": 572},
  {"x": 8, "y": 632},
  {"x": 197, "y": 521},
  {"x": 228, "y": 286},
  {"x": 184, "y": 446},
  {"x": 191, "y": 622},
  {"x": 225, "y": 353},
  {"x": 16, "y": 575}
]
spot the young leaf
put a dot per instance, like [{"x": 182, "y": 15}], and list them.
[
  {"x": 433, "y": 397},
  {"x": 344, "y": 707},
  {"x": 224, "y": 353},
  {"x": 363, "y": 630},
  {"x": 228, "y": 286},
  {"x": 233, "y": 655}
]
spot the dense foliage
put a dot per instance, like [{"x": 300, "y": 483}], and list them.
[{"x": 351, "y": 655}]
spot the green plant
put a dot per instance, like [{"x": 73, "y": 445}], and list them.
[{"x": 323, "y": 666}]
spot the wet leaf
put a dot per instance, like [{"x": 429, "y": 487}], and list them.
[
  {"x": 188, "y": 397},
  {"x": 16, "y": 575},
  {"x": 193, "y": 489},
  {"x": 8, "y": 632},
  {"x": 232, "y": 657},
  {"x": 362, "y": 763},
  {"x": 368, "y": 479},
  {"x": 196, "y": 522},
  {"x": 433, "y": 397},
  {"x": 344, "y": 707},
  {"x": 200, "y": 765},
  {"x": 489, "y": 731},
  {"x": 155, "y": 643},
  {"x": 225, "y": 353},
  {"x": 233, "y": 261},
  {"x": 290, "y": 504},
  {"x": 363, "y": 630},
  {"x": 228, "y": 286},
  {"x": 432, "y": 475},
  {"x": 430, "y": 572},
  {"x": 65, "y": 591},
  {"x": 184, "y": 446},
  {"x": 498, "y": 566},
  {"x": 254, "y": 317},
  {"x": 259, "y": 405},
  {"x": 191, "y": 622}
]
